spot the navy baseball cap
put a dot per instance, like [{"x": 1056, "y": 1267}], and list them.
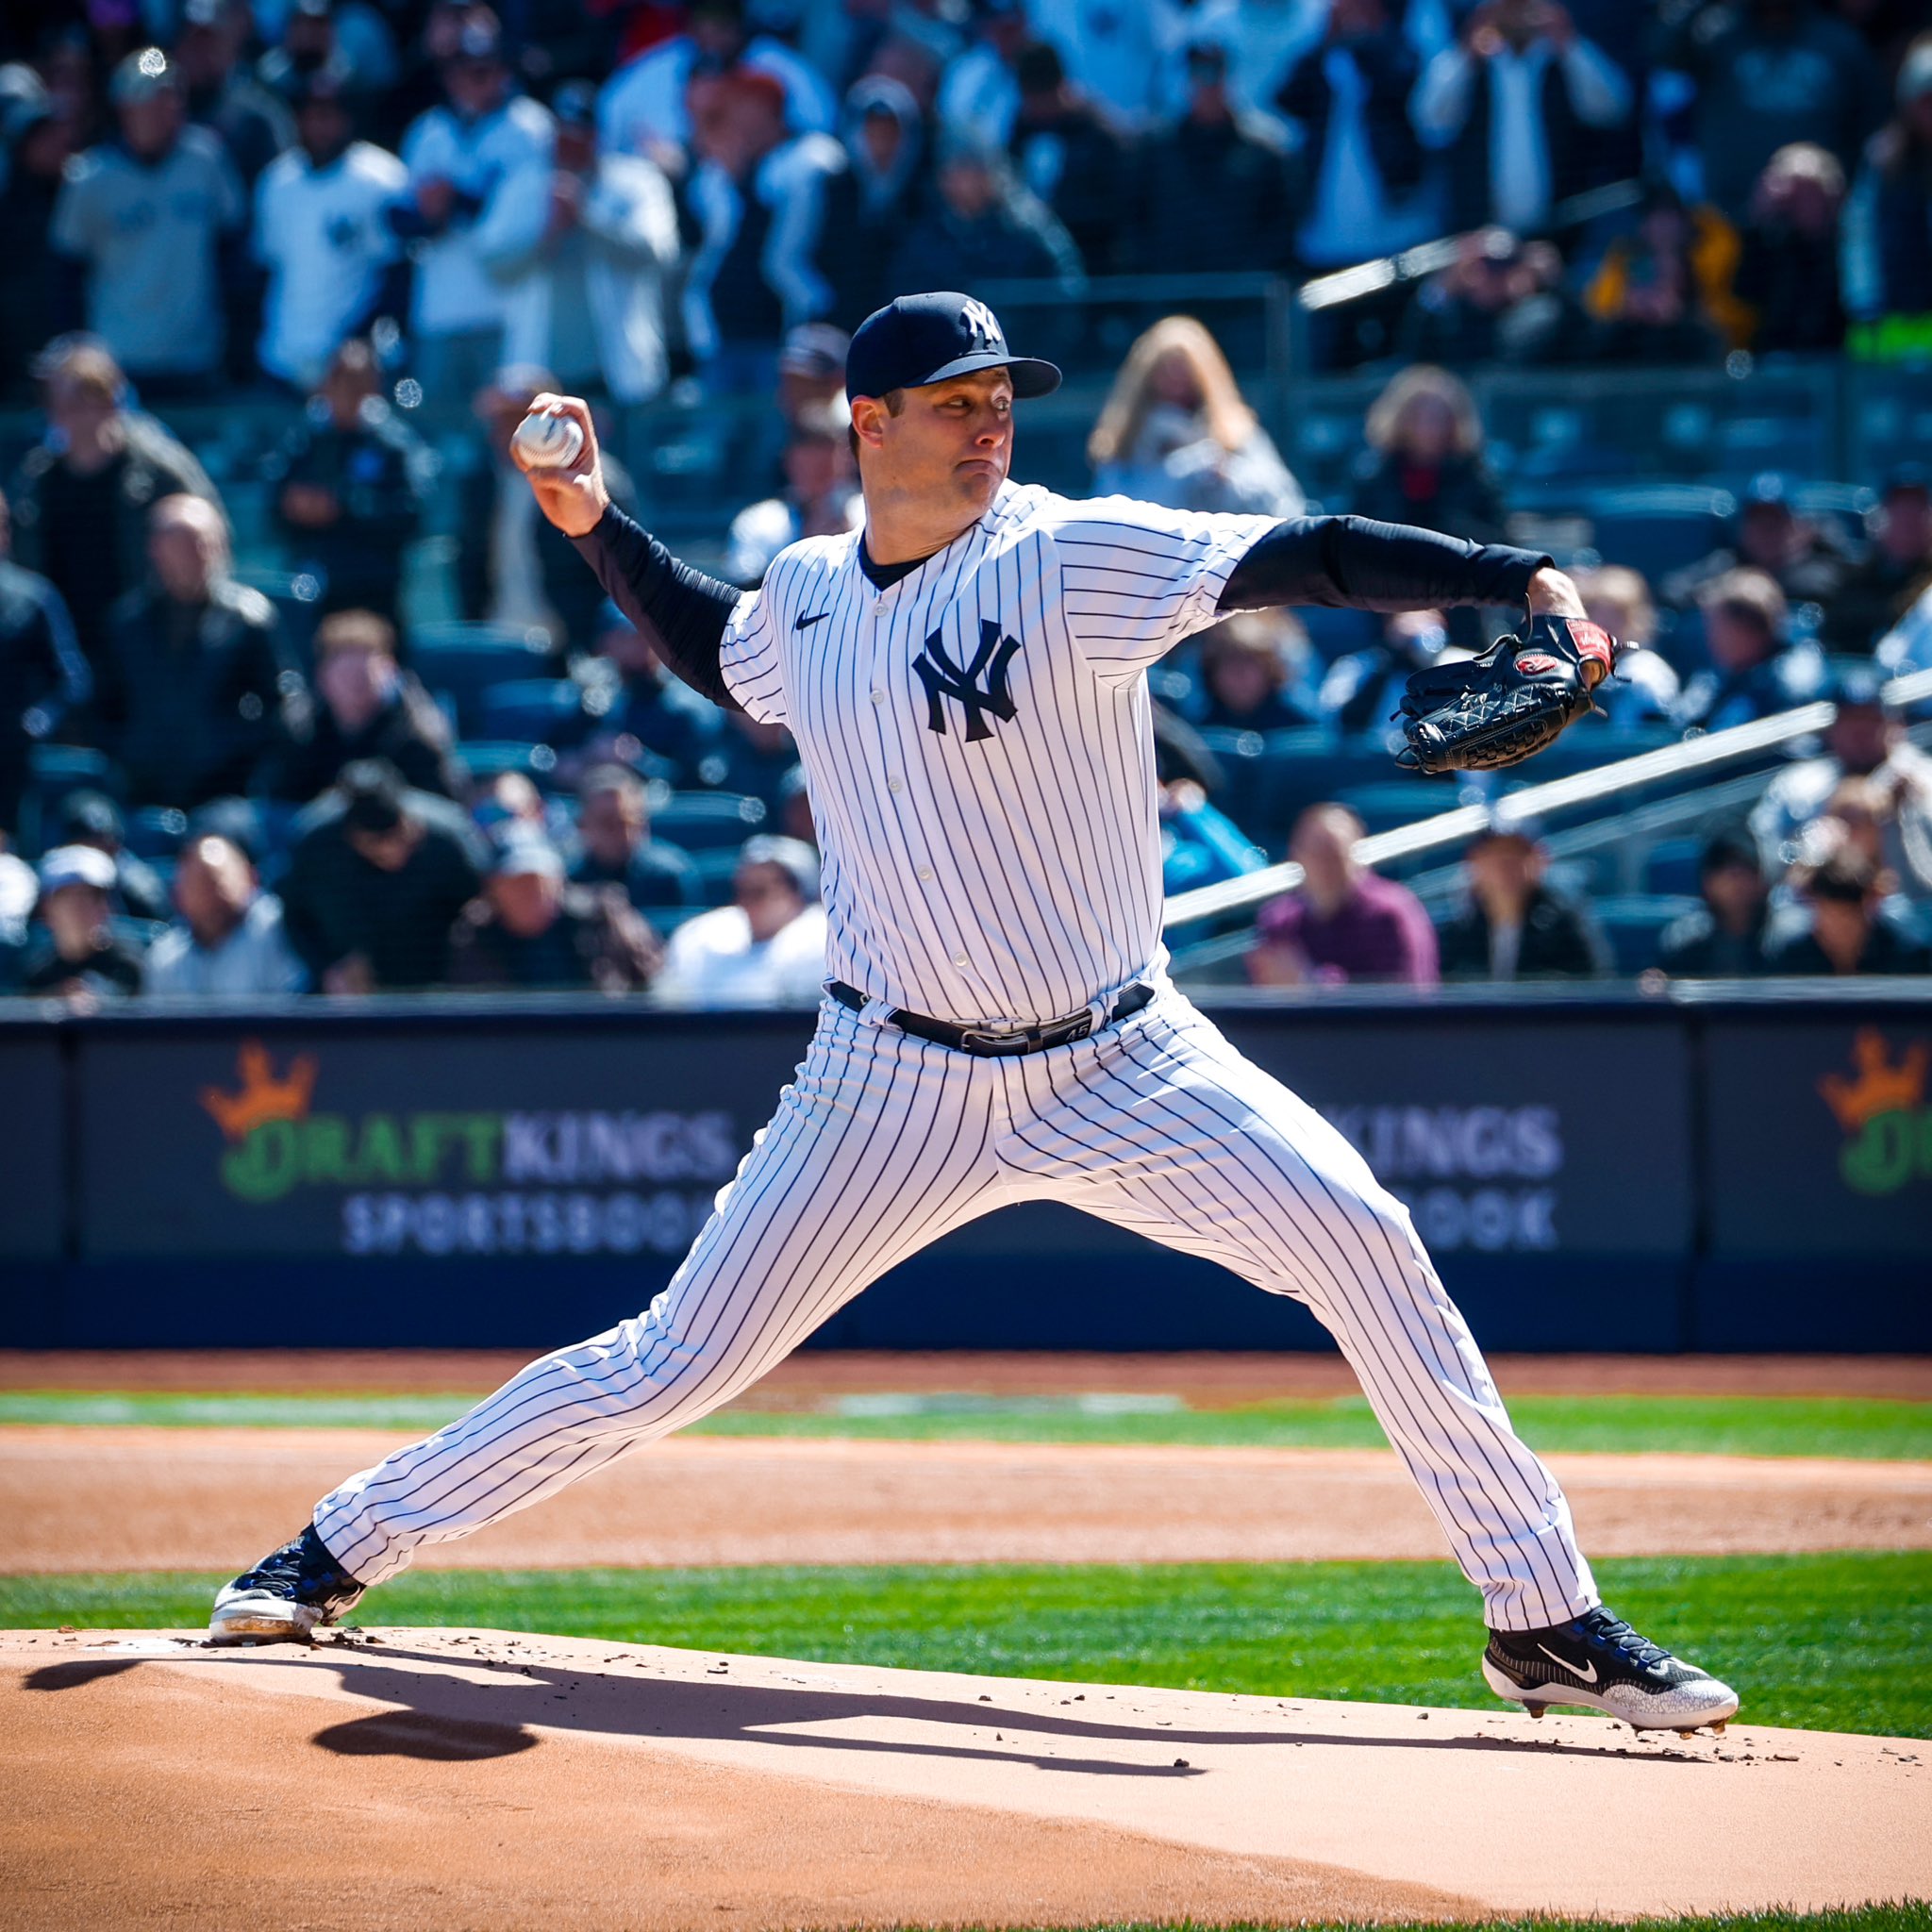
[{"x": 925, "y": 338}]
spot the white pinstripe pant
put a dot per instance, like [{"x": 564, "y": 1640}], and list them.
[{"x": 881, "y": 1144}]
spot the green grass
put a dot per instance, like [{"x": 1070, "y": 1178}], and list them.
[
  {"x": 1841, "y": 1641},
  {"x": 1859, "y": 1427}
]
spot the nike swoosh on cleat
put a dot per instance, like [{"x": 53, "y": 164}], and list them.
[
  {"x": 806, "y": 622},
  {"x": 1589, "y": 1677}
]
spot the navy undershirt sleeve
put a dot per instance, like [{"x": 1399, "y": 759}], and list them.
[
  {"x": 1352, "y": 563},
  {"x": 681, "y": 611}
]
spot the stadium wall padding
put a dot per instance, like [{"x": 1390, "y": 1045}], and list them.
[{"x": 1733, "y": 1170}]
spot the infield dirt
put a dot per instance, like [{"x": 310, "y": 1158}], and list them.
[{"x": 473, "y": 1778}]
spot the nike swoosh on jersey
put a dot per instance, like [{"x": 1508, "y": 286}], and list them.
[
  {"x": 1563, "y": 1663},
  {"x": 803, "y": 622}
]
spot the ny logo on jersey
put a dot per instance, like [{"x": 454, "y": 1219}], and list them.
[
  {"x": 944, "y": 679},
  {"x": 981, "y": 323}
]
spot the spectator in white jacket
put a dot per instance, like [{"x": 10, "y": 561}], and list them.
[
  {"x": 460, "y": 157},
  {"x": 324, "y": 233},
  {"x": 228, "y": 941},
  {"x": 767, "y": 948},
  {"x": 585, "y": 247}
]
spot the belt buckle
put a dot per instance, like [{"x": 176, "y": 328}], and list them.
[{"x": 993, "y": 1042}]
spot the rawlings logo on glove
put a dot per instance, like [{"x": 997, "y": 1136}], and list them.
[{"x": 1481, "y": 713}]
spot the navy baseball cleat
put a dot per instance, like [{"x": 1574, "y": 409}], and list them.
[
  {"x": 1599, "y": 1661},
  {"x": 285, "y": 1596}
]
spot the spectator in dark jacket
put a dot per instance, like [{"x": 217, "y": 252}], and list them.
[
  {"x": 35, "y": 144},
  {"x": 1499, "y": 301},
  {"x": 983, "y": 228},
  {"x": 1755, "y": 669},
  {"x": 1066, "y": 152},
  {"x": 1219, "y": 191},
  {"x": 1425, "y": 465},
  {"x": 1361, "y": 690},
  {"x": 251, "y": 121},
  {"x": 1769, "y": 73},
  {"x": 1246, "y": 663},
  {"x": 348, "y": 486},
  {"x": 81, "y": 501},
  {"x": 885, "y": 148},
  {"x": 1788, "y": 270},
  {"x": 92, "y": 818},
  {"x": 1887, "y": 239},
  {"x": 205, "y": 694},
  {"x": 1845, "y": 933},
  {"x": 1897, "y": 572},
  {"x": 1724, "y": 939},
  {"x": 614, "y": 826},
  {"x": 653, "y": 721},
  {"x": 1516, "y": 927},
  {"x": 80, "y": 956},
  {"x": 1348, "y": 96},
  {"x": 370, "y": 708},
  {"x": 43, "y": 674},
  {"x": 376, "y": 879},
  {"x": 1514, "y": 104},
  {"x": 533, "y": 929},
  {"x": 1803, "y": 558}
]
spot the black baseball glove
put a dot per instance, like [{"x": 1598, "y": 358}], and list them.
[{"x": 1478, "y": 714}]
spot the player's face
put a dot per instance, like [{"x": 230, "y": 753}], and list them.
[{"x": 950, "y": 445}]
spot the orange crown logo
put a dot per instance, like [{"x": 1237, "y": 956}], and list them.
[
  {"x": 262, "y": 1097},
  {"x": 1880, "y": 1087}
]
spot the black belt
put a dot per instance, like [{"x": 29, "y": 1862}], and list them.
[{"x": 996, "y": 1041}]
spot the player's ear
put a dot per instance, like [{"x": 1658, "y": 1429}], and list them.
[{"x": 869, "y": 415}]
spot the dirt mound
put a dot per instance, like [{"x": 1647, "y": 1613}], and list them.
[{"x": 450, "y": 1777}]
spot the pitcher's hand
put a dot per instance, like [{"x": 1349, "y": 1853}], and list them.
[{"x": 573, "y": 497}]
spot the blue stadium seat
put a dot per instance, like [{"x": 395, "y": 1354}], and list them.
[
  {"x": 1384, "y": 804},
  {"x": 705, "y": 822},
  {"x": 461, "y": 661},
  {"x": 154, "y": 831},
  {"x": 1658, "y": 527},
  {"x": 539, "y": 710},
  {"x": 488, "y": 758},
  {"x": 1670, "y": 866},
  {"x": 53, "y": 772},
  {"x": 716, "y": 870},
  {"x": 1634, "y": 922}
]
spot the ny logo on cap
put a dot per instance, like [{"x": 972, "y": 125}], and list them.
[
  {"x": 944, "y": 678},
  {"x": 979, "y": 322}
]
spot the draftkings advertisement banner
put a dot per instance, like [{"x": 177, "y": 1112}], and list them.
[
  {"x": 483, "y": 1142},
  {"x": 1821, "y": 1135}
]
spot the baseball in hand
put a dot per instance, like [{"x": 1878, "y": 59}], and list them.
[{"x": 548, "y": 442}]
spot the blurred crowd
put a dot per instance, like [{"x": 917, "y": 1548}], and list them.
[
  {"x": 620, "y": 191},
  {"x": 407, "y": 219}
]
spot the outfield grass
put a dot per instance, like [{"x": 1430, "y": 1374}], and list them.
[
  {"x": 1864, "y": 1427},
  {"x": 1840, "y": 1642}
]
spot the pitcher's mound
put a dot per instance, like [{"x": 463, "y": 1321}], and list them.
[{"x": 477, "y": 1778}]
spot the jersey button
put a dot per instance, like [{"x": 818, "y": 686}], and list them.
[
  {"x": 925, "y": 872},
  {"x": 961, "y": 961},
  {"x": 878, "y": 697},
  {"x": 893, "y": 784}
]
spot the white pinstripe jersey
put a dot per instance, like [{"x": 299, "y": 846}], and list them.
[{"x": 979, "y": 747}]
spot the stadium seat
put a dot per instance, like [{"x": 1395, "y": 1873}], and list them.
[
  {"x": 53, "y": 772},
  {"x": 458, "y": 662},
  {"x": 705, "y": 822},
  {"x": 1658, "y": 527},
  {"x": 1384, "y": 804},
  {"x": 156, "y": 831},
  {"x": 1670, "y": 866},
  {"x": 1632, "y": 924},
  {"x": 540, "y": 711},
  {"x": 716, "y": 870},
  {"x": 488, "y": 758}
]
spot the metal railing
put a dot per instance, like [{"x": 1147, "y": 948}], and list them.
[{"x": 1598, "y": 786}]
